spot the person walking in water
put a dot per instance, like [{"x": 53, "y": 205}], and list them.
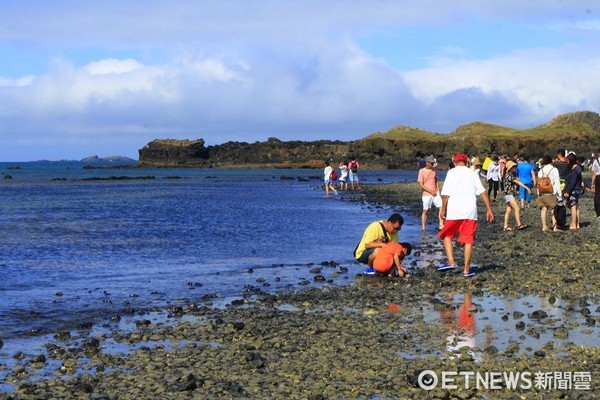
[
  {"x": 327, "y": 172},
  {"x": 343, "y": 175},
  {"x": 354, "y": 165},
  {"x": 459, "y": 208}
]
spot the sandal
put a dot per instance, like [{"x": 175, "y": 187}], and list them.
[
  {"x": 521, "y": 227},
  {"x": 508, "y": 229}
]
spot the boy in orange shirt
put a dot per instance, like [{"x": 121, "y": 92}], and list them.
[{"x": 392, "y": 255}]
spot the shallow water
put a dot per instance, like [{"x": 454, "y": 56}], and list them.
[{"x": 75, "y": 250}]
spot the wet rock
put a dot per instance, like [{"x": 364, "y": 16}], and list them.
[
  {"x": 517, "y": 314},
  {"x": 319, "y": 278},
  {"x": 561, "y": 333},
  {"x": 520, "y": 325},
  {"x": 238, "y": 326},
  {"x": 538, "y": 314},
  {"x": 315, "y": 270},
  {"x": 540, "y": 353}
]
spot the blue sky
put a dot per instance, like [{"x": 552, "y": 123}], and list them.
[{"x": 80, "y": 78}]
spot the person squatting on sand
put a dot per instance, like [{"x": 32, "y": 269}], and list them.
[
  {"x": 376, "y": 236},
  {"x": 510, "y": 192},
  {"x": 429, "y": 184},
  {"x": 548, "y": 200},
  {"x": 390, "y": 256},
  {"x": 459, "y": 208}
]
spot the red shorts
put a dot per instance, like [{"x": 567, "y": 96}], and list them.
[{"x": 464, "y": 227}]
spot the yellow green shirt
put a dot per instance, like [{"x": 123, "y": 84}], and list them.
[{"x": 374, "y": 233}]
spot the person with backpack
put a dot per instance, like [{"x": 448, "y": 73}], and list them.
[
  {"x": 548, "y": 185},
  {"x": 328, "y": 179},
  {"x": 354, "y": 165}
]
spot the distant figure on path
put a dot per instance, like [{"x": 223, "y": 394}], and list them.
[
  {"x": 343, "y": 175},
  {"x": 429, "y": 184},
  {"x": 376, "y": 235},
  {"x": 354, "y": 166},
  {"x": 327, "y": 179},
  {"x": 459, "y": 208}
]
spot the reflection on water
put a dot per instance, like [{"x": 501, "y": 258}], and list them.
[{"x": 481, "y": 323}]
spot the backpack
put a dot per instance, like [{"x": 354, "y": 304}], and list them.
[
  {"x": 544, "y": 185},
  {"x": 560, "y": 213},
  {"x": 353, "y": 166},
  {"x": 334, "y": 175}
]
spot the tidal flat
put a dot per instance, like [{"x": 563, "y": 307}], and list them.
[{"x": 531, "y": 310}]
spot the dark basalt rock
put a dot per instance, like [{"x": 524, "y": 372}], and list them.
[{"x": 394, "y": 149}]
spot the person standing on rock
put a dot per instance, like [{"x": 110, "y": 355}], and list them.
[
  {"x": 343, "y": 175},
  {"x": 595, "y": 167},
  {"x": 459, "y": 208},
  {"x": 354, "y": 165},
  {"x": 429, "y": 184},
  {"x": 327, "y": 172}
]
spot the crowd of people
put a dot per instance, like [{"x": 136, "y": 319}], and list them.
[{"x": 557, "y": 180}]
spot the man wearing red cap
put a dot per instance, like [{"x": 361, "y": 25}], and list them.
[{"x": 459, "y": 208}]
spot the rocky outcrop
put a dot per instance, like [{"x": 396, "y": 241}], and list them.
[{"x": 397, "y": 148}]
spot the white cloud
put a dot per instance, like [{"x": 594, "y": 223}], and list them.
[{"x": 249, "y": 70}]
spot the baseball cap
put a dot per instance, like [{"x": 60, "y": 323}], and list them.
[
  {"x": 429, "y": 159},
  {"x": 461, "y": 157}
]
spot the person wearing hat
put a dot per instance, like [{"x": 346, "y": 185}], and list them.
[
  {"x": 430, "y": 190},
  {"x": 511, "y": 184},
  {"x": 459, "y": 208}
]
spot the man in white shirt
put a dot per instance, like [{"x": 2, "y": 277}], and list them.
[{"x": 459, "y": 208}]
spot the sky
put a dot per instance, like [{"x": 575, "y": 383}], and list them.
[{"x": 81, "y": 77}]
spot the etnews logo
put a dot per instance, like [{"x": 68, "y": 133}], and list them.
[{"x": 579, "y": 380}]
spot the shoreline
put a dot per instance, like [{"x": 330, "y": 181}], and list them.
[{"x": 368, "y": 339}]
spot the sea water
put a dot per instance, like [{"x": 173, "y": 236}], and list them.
[{"x": 75, "y": 248}]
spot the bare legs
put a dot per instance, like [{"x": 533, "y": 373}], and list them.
[
  {"x": 510, "y": 206},
  {"x": 450, "y": 254}
]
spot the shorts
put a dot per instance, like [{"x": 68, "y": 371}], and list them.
[
  {"x": 327, "y": 181},
  {"x": 428, "y": 201},
  {"x": 464, "y": 227},
  {"x": 364, "y": 257},
  {"x": 508, "y": 198},
  {"x": 353, "y": 177},
  {"x": 573, "y": 200},
  {"x": 524, "y": 194},
  {"x": 343, "y": 179},
  {"x": 546, "y": 200}
]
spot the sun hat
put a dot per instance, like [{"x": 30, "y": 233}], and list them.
[
  {"x": 429, "y": 159},
  {"x": 461, "y": 157},
  {"x": 510, "y": 164}
]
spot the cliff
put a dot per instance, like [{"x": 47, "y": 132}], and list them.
[{"x": 396, "y": 148}]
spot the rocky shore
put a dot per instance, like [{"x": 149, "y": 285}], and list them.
[{"x": 371, "y": 339}]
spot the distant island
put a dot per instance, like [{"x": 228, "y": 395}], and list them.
[
  {"x": 395, "y": 149},
  {"x": 111, "y": 159}
]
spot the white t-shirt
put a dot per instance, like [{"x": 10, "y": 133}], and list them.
[
  {"x": 327, "y": 173},
  {"x": 462, "y": 186},
  {"x": 551, "y": 172},
  {"x": 596, "y": 166}
]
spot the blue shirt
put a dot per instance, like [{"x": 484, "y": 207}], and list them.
[{"x": 524, "y": 171}]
